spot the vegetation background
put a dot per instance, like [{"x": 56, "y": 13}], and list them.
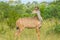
[{"x": 10, "y": 12}]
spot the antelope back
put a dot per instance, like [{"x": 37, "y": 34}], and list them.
[{"x": 28, "y": 22}]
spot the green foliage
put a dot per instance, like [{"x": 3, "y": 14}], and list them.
[
  {"x": 54, "y": 29},
  {"x": 57, "y": 28},
  {"x": 51, "y": 10},
  {"x": 10, "y": 13}
]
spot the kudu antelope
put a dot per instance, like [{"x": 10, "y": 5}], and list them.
[{"x": 28, "y": 22}]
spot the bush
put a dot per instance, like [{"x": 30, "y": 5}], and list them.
[
  {"x": 57, "y": 28},
  {"x": 12, "y": 12}
]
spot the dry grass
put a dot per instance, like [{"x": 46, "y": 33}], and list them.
[{"x": 30, "y": 34}]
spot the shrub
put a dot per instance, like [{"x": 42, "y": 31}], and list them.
[{"x": 57, "y": 28}]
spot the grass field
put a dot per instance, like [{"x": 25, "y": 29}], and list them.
[{"x": 30, "y": 34}]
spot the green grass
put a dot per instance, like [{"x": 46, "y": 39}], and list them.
[{"x": 30, "y": 34}]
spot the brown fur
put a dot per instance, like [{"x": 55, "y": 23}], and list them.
[{"x": 28, "y": 22}]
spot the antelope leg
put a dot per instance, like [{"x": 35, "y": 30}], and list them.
[
  {"x": 17, "y": 34},
  {"x": 38, "y": 33}
]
